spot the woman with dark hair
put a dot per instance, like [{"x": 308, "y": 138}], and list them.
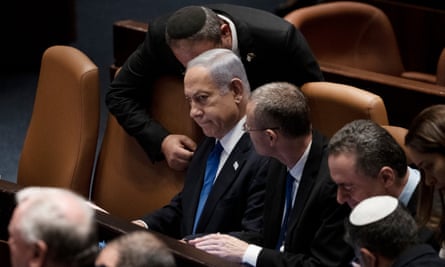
[{"x": 425, "y": 141}]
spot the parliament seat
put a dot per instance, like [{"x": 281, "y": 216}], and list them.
[
  {"x": 440, "y": 73},
  {"x": 403, "y": 98},
  {"x": 126, "y": 183},
  {"x": 350, "y": 33},
  {"x": 355, "y": 34},
  {"x": 60, "y": 144},
  {"x": 399, "y": 133},
  {"x": 438, "y": 78},
  {"x": 332, "y": 105}
]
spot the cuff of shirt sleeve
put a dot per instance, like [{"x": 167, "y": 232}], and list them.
[
  {"x": 141, "y": 223},
  {"x": 251, "y": 254}
]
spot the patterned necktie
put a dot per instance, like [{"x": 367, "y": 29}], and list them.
[
  {"x": 211, "y": 168},
  {"x": 287, "y": 209}
]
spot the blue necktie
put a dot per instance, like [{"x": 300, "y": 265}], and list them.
[
  {"x": 211, "y": 168},
  {"x": 287, "y": 209}
]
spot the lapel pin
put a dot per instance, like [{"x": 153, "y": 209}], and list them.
[
  {"x": 235, "y": 165},
  {"x": 250, "y": 57}
]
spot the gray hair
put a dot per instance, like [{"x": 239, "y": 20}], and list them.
[
  {"x": 63, "y": 220},
  {"x": 281, "y": 105},
  {"x": 223, "y": 65},
  {"x": 141, "y": 249}
]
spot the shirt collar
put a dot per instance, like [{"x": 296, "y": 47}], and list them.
[
  {"x": 235, "y": 48},
  {"x": 410, "y": 187},
  {"x": 230, "y": 140},
  {"x": 297, "y": 170}
]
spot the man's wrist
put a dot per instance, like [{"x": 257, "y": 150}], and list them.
[{"x": 251, "y": 254}]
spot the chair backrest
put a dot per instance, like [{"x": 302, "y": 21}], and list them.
[
  {"x": 126, "y": 183},
  {"x": 332, "y": 105},
  {"x": 399, "y": 133},
  {"x": 350, "y": 33},
  {"x": 440, "y": 73},
  {"x": 60, "y": 144}
]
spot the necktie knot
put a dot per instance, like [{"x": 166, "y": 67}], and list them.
[{"x": 217, "y": 149}]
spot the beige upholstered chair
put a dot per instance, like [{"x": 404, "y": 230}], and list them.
[
  {"x": 60, "y": 143},
  {"x": 126, "y": 183},
  {"x": 440, "y": 73},
  {"x": 437, "y": 78},
  {"x": 350, "y": 33},
  {"x": 332, "y": 105},
  {"x": 399, "y": 134}
]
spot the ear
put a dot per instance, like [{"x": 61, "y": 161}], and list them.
[
  {"x": 226, "y": 36},
  {"x": 39, "y": 255},
  {"x": 368, "y": 259},
  {"x": 388, "y": 176},
  {"x": 272, "y": 135},
  {"x": 237, "y": 88},
  {"x": 225, "y": 30}
]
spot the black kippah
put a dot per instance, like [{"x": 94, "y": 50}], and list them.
[{"x": 185, "y": 22}]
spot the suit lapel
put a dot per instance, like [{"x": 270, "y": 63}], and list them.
[
  {"x": 307, "y": 181},
  {"x": 226, "y": 177},
  {"x": 246, "y": 44}
]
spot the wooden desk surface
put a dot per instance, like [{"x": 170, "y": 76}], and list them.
[{"x": 111, "y": 227}]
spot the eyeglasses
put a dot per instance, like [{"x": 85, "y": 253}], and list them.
[{"x": 248, "y": 129}]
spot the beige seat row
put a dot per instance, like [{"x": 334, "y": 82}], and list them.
[{"x": 357, "y": 35}]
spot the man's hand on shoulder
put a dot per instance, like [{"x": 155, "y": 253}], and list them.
[{"x": 178, "y": 151}]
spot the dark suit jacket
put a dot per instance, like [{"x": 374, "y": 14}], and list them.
[
  {"x": 316, "y": 224},
  {"x": 235, "y": 202},
  {"x": 426, "y": 235},
  {"x": 419, "y": 256},
  {"x": 276, "y": 49}
]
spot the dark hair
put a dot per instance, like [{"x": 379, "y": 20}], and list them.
[
  {"x": 194, "y": 23},
  {"x": 427, "y": 131},
  {"x": 426, "y": 134},
  {"x": 373, "y": 146}
]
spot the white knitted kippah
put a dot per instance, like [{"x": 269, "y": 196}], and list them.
[{"x": 373, "y": 209}]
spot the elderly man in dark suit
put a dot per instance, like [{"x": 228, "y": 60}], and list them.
[
  {"x": 303, "y": 223},
  {"x": 270, "y": 48},
  {"x": 216, "y": 86}
]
